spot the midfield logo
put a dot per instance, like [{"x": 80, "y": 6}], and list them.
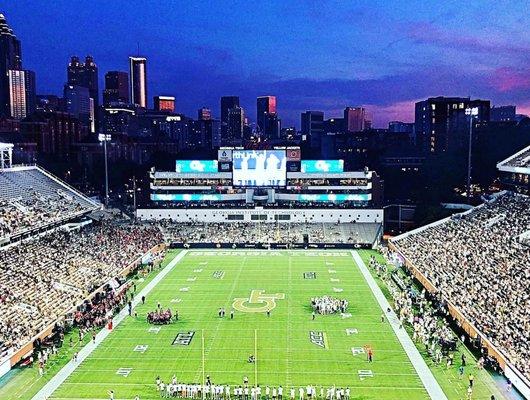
[
  {"x": 124, "y": 372},
  {"x": 184, "y": 338},
  {"x": 310, "y": 275},
  {"x": 218, "y": 274},
  {"x": 318, "y": 338},
  {"x": 267, "y": 302}
]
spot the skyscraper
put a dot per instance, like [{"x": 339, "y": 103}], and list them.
[
  {"x": 22, "y": 96},
  {"x": 116, "y": 88},
  {"x": 265, "y": 105},
  {"x": 312, "y": 124},
  {"x": 228, "y": 102},
  {"x": 204, "y": 114},
  {"x": 78, "y": 103},
  {"x": 164, "y": 103},
  {"x": 11, "y": 59},
  {"x": 441, "y": 123},
  {"x": 236, "y": 125},
  {"x": 84, "y": 75},
  {"x": 138, "y": 81},
  {"x": 355, "y": 119}
]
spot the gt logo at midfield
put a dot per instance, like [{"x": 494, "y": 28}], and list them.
[{"x": 257, "y": 302}]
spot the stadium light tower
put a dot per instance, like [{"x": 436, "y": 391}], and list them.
[
  {"x": 471, "y": 113},
  {"x": 105, "y": 138}
]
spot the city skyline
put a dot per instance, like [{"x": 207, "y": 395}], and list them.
[{"x": 384, "y": 57}]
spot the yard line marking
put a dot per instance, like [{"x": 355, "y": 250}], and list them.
[
  {"x": 60, "y": 378},
  {"x": 427, "y": 378}
]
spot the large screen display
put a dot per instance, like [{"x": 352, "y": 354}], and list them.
[
  {"x": 185, "y": 197},
  {"x": 334, "y": 198},
  {"x": 196, "y": 166},
  {"x": 259, "y": 168},
  {"x": 322, "y": 166}
]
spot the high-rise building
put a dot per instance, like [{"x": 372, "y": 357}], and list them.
[
  {"x": 273, "y": 126},
  {"x": 11, "y": 59},
  {"x": 78, "y": 103},
  {"x": 204, "y": 114},
  {"x": 84, "y": 75},
  {"x": 355, "y": 119},
  {"x": 22, "y": 96},
  {"x": 264, "y": 105},
  {"x": 116, "y": 88},
  {"x": 164, "y": 103},
  {"x": 441, "y": 123},
  {"x": 228, "y": 102},
  {"x": 138, "y": 81},
  {"x": 236, "y": 125},
  {"x": 503, "y": 113},
  {"x": 312, "y": 125}
]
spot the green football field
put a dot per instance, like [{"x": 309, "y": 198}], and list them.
[{"x": 129, "y": 360}]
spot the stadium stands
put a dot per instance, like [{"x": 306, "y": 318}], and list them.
[
  {"x": 479, "y": 263},
  {"x": 30, "y": 199},
  {"x": 241, "y": 232},
  {"x": 41, "y": 279}
]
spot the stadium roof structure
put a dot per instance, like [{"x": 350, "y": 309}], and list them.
[{"x": 518, "y": 163}]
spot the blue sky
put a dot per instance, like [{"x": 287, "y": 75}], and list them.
[{"x": 310, "y": 54}]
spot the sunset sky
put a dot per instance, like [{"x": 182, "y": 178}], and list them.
[{"x": 310, "y": 54}]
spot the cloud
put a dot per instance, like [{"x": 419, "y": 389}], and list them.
[{"x": 507, "y": 79}]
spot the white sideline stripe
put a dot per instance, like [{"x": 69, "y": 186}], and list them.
[
  {"x": 48, "y": 389},
  {"x": 427, "y": 378}
]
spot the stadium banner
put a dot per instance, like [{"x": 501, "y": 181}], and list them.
[
  {"x": 293, "y": 166},
  {"x": 225, "y": 166},
  {"x": 322, "y": 166},
  {"x": 270, "y": 246},
  {"x": 185, "y": 197},
  {"x": 259, "y": 168},
  {"x": 333, "y": 198},
  {"x": 195, "y": 166},
  {"x": 294, "y": 154},
  {"x": 224, "y": 155}
]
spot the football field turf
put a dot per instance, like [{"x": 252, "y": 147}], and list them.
[{"x": 287, "y": 353}]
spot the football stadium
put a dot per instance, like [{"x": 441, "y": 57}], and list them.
[{"x": 258, "y": 275}]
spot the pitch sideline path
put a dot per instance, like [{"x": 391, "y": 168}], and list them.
[
  {"x": 427, "y": 378},
  {"x": 52, "y": 385}
]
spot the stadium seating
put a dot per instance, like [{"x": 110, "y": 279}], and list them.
[
  {"x": 479, "y": 263},
  {"x": 43, "y": 278},
  {"x": 239, "y": 232},
  {"x": 30, "y": 199}
]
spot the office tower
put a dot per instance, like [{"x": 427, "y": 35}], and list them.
[
  {"x": 355, "y": 119},
  {"x": 441, "y": 123},
  {"x": 164, "y": 103},
  {"x": 204, "y": 114},
  {"x": 312, "y": 125},
  {"x": 236, "y": 125},
  {"x": 273, "y": 126},
  {"x": 116, "y": 87},
  {"x": 11, "y": 59},
  {"x": 228, "y": 102},
  {"x": 265, "y": 105},
  {"x": 503, "y": 113},
  {"x": 84, "y": 75},
  {"x": 22, "y": 96},
  {"x": 78, "y": 103},
  {"x": 138, "y": 81}
]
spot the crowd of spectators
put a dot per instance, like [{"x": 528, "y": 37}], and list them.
[
  {"x": 30, "y": 199},
  {"x": 43, "y": 278},
  {"x": 250, "y": 232},
  {"x": 478, "y": 262}
]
